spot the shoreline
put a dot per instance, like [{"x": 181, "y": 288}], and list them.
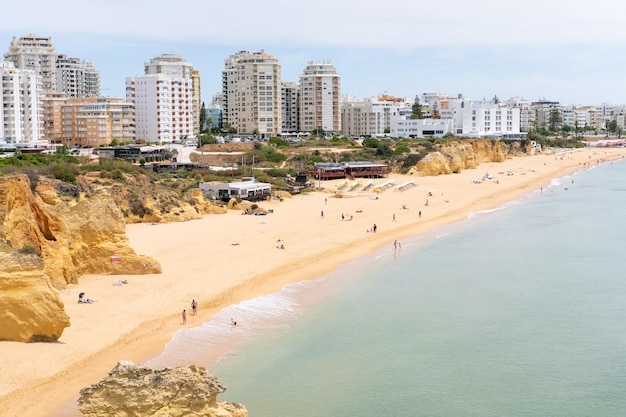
[{"x": 199, "y": 260}]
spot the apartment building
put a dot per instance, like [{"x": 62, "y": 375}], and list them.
[
  {"x": 35, "y": 53},
  {"x": 371, "y": 116},
  {"x": 196, "y": 99},
  {"x": 20, "y": 104},
  {"x": 88, "y": 122},
  {"x": 76, "y": 78},
  {"x": 527, "y": 113},
  {"x": 469, "y": 118},
  {"x": 163, "y": 99},
  {"x": 251, "y": 89},
  {"x": 289, "y": 99},
  {"x": 319, "y": 98}
]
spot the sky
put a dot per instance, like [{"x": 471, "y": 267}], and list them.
[{"x": 555, "y": 50}]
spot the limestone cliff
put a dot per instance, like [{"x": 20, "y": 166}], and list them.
[
  {"x": 182, "y": 212},
  {"x": 135, "y": 391},
  {"x": 73, "y": 235},
  {"x": 30, "y": 308},
  {"x": 143, "y": 199},
  {"x": 455, "y": 156}
]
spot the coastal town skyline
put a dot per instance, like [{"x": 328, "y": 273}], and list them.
[{"x": 573, "y": 59}]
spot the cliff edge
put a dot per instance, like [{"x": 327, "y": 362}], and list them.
[
  {"x": 74, "y": 235},
  {"x": 30, "y": 308},
  {"x": 455, "y": 156}
]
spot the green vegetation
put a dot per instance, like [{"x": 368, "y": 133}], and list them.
[{"x": 28, "y": 250}]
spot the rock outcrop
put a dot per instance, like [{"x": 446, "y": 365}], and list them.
[
  {"x": 135, "y": 391},
  {"x": 455, "y": 156},
  {"x": 30, "y": 307},
  {"x": 73, "y": 235},
  {"x": 182, "y": 212}
]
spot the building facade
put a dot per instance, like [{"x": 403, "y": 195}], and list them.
[
  {"x": 196, "y": 98},
  {"x": 76, "y": 78},
  {"x": 289, "y": 99},
  {"x": 369, "y": 117},
  {"x": 35, "y": 53},
  {"x": 164, "y": 100},
  {"x": 20, "y": 104},
  {"x": 88, "y": 122},
  {"x": 319, "y": 98},
  {"x": 251, "y": 90}
]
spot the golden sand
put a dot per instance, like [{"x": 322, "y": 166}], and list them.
[{"x": 222, "y": 260}]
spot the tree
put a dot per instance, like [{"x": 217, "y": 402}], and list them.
[
  {"x": 203, "y": 119},
  {"x": 416, "y": 109},
  {"x": 495, "y": 99},
  {"x": 555, "y": 119},
  {"x": 436, "y": 113}
]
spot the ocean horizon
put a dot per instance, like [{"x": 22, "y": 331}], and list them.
[{"x": 516, "y": 311}]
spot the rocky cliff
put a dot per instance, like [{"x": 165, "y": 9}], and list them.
[
  {"x": 134, "y": 391},
  {"x": 30, "y": 308},
  {"x": 74, "y": 235},
  {"x": 455, "y": 156}
]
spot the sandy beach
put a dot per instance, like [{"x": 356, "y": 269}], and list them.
[{"x": 222, "y": 260}]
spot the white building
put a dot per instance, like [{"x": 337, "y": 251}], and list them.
[
  {"x": 371, "y": 116},
  {"x": 170, "y": 65},
  {"x": 319, "y": 98},
  {"x": 76, "y": 78},
  {"x": 20, "y": 105},
  {"x": 164, "y": 105},
  {"x": 251, "y": 89},
  {"x": 403, "y": 127},
  {"x": 470, "y": 119},
  {"x": 527, "y": 113},
  {"x": 35, "y": 53}
]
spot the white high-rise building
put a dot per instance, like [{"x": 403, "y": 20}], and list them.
[
  {"x": 20, "y": 104},
  {"x": 163, "y": 107},
  {"x": 251, "y": 89},
  {"x": 164, "y": 104},
  {"x": 175, "y": 66},
  {"x": 76, "y": 78},
  {"x": 169, "y": 64},
  {"x": 319, "y": 98},
  {"x": 35, "y": 53}
]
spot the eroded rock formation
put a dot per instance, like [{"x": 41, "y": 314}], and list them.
[
  {"x": 455, "y": 156},
  {"x": 73, "y": 235},
  {"x": 135, "y": 391},
  {"x": 30, "y": 307}
]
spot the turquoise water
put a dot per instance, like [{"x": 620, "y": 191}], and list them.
[{"x": 519, "y": 311}]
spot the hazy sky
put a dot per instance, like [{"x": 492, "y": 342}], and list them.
[{"x": 553, "y": 49}]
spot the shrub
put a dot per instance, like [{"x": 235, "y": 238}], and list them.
[
  {"x": 28, "y": 250},
  {"x": 64, "y": 173}
]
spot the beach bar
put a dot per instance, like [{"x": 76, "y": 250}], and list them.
[
  {"x": 350, "y": 170},
  {"x": 245, "y": 190}
]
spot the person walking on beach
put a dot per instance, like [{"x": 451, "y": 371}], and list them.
[
  {"x": 184, "y": 316},
  {"x": 419, "y": 214},
  {"x": 322, "y": 214},
  {"x": 374, "y": 228},
  {"x": 394, "y": 217},
  {"x": 194, "y": 307}
]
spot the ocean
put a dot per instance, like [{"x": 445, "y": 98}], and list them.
[{"x": 518, "y": 311}]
